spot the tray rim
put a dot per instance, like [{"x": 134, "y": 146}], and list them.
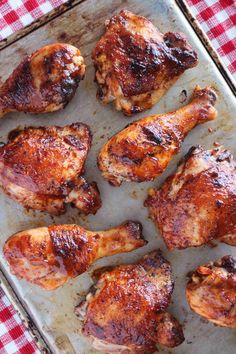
[{"x": 8, "y": 288}]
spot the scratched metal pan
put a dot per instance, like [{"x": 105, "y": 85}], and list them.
[{"x": 52, "y": 313}]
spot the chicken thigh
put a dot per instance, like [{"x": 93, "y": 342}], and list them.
[
  {"x": 41, "y": 168},
  {"x": 198, "y": 203},
  {"x": 135, "y": 64},
  {"x": 49, "y": 256},
  {"x": 125, "y": 312},
  {"x": 142, "y": 150},
  {"x": 211, "y": 292},
  {"x": 44, "y": 81}
]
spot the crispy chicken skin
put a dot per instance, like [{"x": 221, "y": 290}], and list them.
[
  {"x": 44, "y": 81},
  {"x": 198, "y": 203},
  {"x": 135, "y": 64},
  {"x": 49, "y": 256},
  {"x": 41, "y": 168},
  {"x": 125, "y": 312},
  {"x": 142, "y": 150},
  {"x": 211, "y": 292}
]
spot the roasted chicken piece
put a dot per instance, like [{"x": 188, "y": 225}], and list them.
[
  {"x": 135, "y": 64},
  {"x": 41, "y": 168},
  {"x": 198, "y": 203},
  {"x": 49, "y": 256},
  {"x": 45, "y": 81},
  {"x": 125, "y": 310},
  {"x": 142, "y": 150},
  {"x": 211, "y": 292}
]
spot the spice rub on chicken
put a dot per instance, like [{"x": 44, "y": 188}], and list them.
[
  {"x": 126, "y": 312},
  {"x": 141, "y": 151},
  {"x": 50, "y": 256},
  {"x": 45, "y": 81},
  {"x": 42, "y": 168},
  {"x": 198, "y": 203},
  {"x": 135, "y": 64},
  {"x": 211, "y": 291}
]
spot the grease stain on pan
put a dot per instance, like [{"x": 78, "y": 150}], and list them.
[
  {"x": 65, "y": 345},
  {"x": 21, "y": 53},
  {"x": 75, "y": 37}
]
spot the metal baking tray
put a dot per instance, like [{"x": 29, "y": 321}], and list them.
[{"x": 50, "y": 315}]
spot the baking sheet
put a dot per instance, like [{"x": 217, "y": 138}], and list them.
[{"x": 52, "y": 312}]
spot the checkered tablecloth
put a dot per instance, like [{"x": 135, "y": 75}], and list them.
[
  {"x": 218, "y": 20},
  {"x": 14, "y": 337},
  {"x": 16, "y": 14}
]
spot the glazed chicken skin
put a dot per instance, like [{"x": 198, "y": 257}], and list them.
[
  {"x": 126, "y": 310},
  {"x": 44, "y": 81},
  {"x": 142, "y": 150},
  {"x": 49, "y": 256},
  {"x": 135, "y": 64},
  {"x": 198, "y": 203},
  {"x": 211, "y": 292},
  {"x": 41, "y": 168}
]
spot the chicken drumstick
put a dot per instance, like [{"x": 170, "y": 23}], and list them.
[
  {"x": 49, "y": 256},
  {"x": 142, "y": 150},
  {"x": 44, "y": 81}
]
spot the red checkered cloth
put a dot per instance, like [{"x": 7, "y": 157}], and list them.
[
  {"x": 14, "y": 336},
  {"x": 16, "y": 14},
  {"x": 218, "y": 20}
]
